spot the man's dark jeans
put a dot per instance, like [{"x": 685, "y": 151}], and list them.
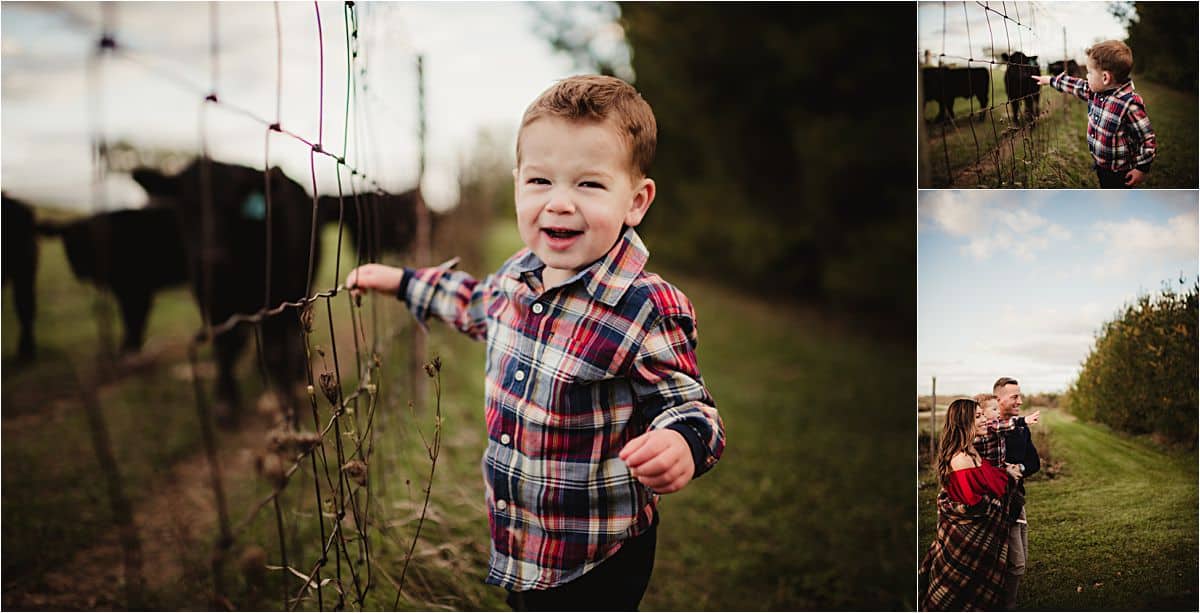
[
  {"x": 1112, "y": 180},
  {"x": 617, "y": 584}
]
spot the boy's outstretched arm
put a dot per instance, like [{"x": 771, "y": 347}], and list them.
[
  {"x": 452, "y": 296},
  {"x": 1064, "y": 83},
  {"x": 686, "y": 435}
]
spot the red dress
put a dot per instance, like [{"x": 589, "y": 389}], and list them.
[{"x": 970, "y": 484}]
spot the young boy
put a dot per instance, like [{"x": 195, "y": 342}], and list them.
[
  {"x": 1119, "y": 135},
  {"x": 991, "y": 445},
  {"x": 594, "y": 401}
]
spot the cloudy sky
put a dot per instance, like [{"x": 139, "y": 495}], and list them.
[
  {"x": 972, "y": 31},
  {"x": 1017, "y": 283},
  {"x": 483, "y": 65}
]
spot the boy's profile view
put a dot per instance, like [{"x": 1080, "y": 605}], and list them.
[
  {"x": 1119, "y": 135},
  {"x": 594, "y": 400}
]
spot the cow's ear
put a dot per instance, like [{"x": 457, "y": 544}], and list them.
[
  {"x": 1004, "y": 57},
  {"x": 153, "y": 181}
]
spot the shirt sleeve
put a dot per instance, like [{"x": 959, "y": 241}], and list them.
[
  {"x": 1143, "y": 134},
  {"x": 671, "y": 393},
  {"x": 452, "y": 296},
  {"x": 1072, "y": 85}
]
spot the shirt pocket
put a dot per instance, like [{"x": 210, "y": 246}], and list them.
[{"x": 587, "y": 389}]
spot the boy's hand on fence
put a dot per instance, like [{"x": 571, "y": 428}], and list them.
[
  {"x": 660, "y": 459},
  {"x": 1133, "y": 177},
  {"x": 374, "y": 276},
  {"x": 1042, "y": 79}
]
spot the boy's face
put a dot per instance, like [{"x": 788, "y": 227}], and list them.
[
  {"x": 574, "y": 190},
  {"x": 991, "y": 410},
  {"x": 1099, "y": 80}
]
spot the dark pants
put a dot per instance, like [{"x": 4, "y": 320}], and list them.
[
  {"x": 617, "y": 584},
  {"x": 1112, "y": 180}
]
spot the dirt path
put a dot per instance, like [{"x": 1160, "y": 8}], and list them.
[{"x": 176, "y": 527}]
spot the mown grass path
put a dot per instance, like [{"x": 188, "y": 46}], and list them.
[{"x": 1116, "y": 530}]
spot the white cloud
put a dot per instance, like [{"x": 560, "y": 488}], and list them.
[
  {"x": 991, "y": 224},
  {"x": 1133, "y": 242}
]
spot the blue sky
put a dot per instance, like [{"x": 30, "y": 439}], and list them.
[
  {"x": 966, "y": 32},
  {"x": 484, "y": 63},
  {"x": 1016, "y": 283}
]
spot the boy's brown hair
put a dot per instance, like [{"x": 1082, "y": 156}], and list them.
[
  {"x": 983, "y": 399},
  {"x": 595, "y": 98},
  {"x": 1113, "y": 56}
]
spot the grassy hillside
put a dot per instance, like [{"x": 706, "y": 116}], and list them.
[{"x": 1114, "y": 530}]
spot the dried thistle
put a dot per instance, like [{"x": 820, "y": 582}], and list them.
[
  {"x": 305, "y": 441},
  {"x": 253, "y": 563},
  {"x": 356, "y": 470},
  {"x": 377, "y": 360},
  {"x": 329, "y": 386},
  {"x": 434, "y": 367},
  {"x": 278, "y": 439},
  {"x": 270, "y": 466}
]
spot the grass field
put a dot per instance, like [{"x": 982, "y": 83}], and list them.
[
  {"x": 783, "y": 522},
  {"x": 1053, "y": 154},
  {"x": 1114, "y": 530}
]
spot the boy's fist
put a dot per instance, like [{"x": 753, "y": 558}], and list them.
[
  {"x": 374, "y": 276},
  {"x": 1133, "y": 177},
  {"x": 660, "y": 459},
  {"x": 1042, "y": 79}
]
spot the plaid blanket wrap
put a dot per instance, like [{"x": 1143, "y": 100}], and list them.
[{"x": 964, "y": 567}]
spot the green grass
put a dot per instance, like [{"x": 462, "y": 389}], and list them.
[
  {"x": 809, "y": 508},
  {"x": 1054, "y": 154},
  {"x": 1116, "y": 530},
  {"x": 54, "y": 495}
]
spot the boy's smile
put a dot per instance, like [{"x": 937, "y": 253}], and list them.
[{"x": 575, "y": 189}]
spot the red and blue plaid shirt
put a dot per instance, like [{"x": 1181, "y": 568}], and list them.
[
  {"x": 574, "y": 372},
  {"x": 991, "y": 445},
  {"x": 1119, "y": 135}
]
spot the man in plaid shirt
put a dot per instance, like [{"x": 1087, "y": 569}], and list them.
[
  {"x": 594, "y": 401},
  {"x": 1119, "y": 135}
]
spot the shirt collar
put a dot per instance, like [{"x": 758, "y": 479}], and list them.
[
  {"x": 1119, "y": 90},
  {"x": 605, "y": 279}
]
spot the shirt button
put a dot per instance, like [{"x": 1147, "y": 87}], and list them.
[
  {"x": 505, "y": 439},
  {"x": 519, "y": 375},
  {"x": 538, "y": 308},
  {"x": 501, "y": 505}
]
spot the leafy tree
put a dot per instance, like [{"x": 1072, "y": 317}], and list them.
[
  {"x": 785, "y": 161},
  {"x": 1141, "y": 376},
  {"x": 1163, "y": 38}
]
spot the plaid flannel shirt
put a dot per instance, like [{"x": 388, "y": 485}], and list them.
[
  {"x": 1119, "y": 134},
  {"x": 991, "y": 445},
  {"x": 573, "y": 374}
]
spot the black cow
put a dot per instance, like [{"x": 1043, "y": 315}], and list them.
[
  {"x": 1019, "y": 84},
  {"x": 943, "y": 85},
  {"x": 221, "y": 211},
  {"x": 20, "y": 253},
  {"x": 223, "y": 235},
  {"x": 1073, "y": 69},
  {"x": 376, "y": 223},
  {"x": 132, "y": 252}
]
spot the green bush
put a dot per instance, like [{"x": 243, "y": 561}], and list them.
[{"x": 1141, "y": 376}]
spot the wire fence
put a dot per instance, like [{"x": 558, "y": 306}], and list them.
[
  {"x": 1014, "y": 135},
  {"x": 338, "y": 450}
]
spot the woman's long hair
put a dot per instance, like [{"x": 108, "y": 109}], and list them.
[{"x": 958, "y": 434}]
